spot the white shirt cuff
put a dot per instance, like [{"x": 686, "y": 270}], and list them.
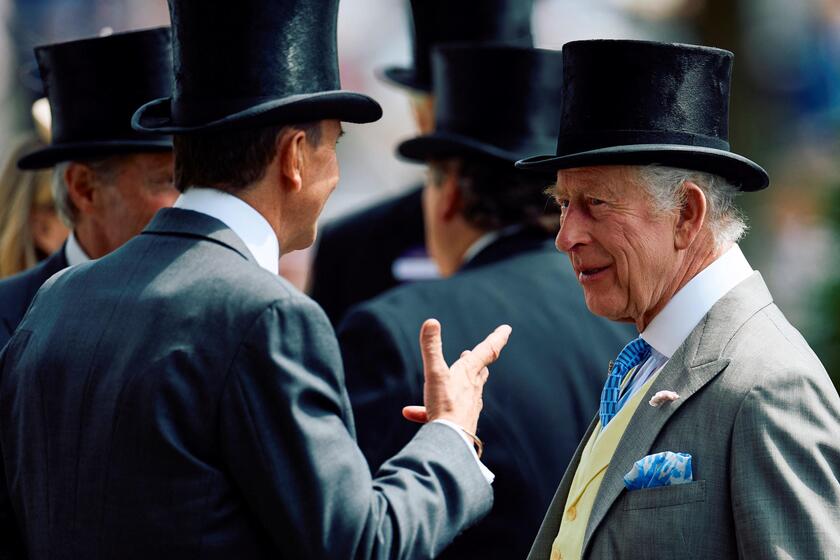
[{"x": 485, "y": 472}]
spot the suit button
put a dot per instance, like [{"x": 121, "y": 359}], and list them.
[{"x": 571, "y": 513}]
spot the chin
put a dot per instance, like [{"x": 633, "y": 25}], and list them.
[
  {"x": 305, "y": 241},
  {"x": 603, "y": 309}
]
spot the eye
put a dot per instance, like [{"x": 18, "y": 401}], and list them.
[{"x": 595, "y": 202}]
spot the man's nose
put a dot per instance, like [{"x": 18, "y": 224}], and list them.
[{"x": 573, "y": 230}]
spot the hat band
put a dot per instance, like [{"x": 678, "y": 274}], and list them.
[
  {"x": 571, "y": 143},
  {"x": 192, "y": 111}
]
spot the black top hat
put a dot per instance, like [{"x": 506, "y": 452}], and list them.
[
  {"x": 94, "y": 86},
  {"x": 253, "y": 63},
  {"x": 438, "y": 22},
  {"x": 639, "y": 103},
  {"x": 491, "y": 101}
]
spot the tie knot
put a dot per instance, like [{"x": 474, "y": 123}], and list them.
[{"x": 636, "y": 351}]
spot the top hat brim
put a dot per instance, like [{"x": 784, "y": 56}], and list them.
[
  {"x": 441, "y": 144},
  {"x": 82, "y": 151},
  {"x": 156, "y": 116},
  {"x": 740, "y": 171},
  {"x": 405, "y": 78}
]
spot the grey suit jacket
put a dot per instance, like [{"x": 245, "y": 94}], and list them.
[
  {"x": 175, "y": 400},
  {"x": 760, "y": 418}
]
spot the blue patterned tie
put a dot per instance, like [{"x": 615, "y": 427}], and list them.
[{"x": 636, "y": 352}]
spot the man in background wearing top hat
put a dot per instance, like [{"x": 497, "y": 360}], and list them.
[
  {"x": 362, "y": 255},
  {"x": 489, "y": 229},
  {"x": 180, "y": 399},
  {"x": 108, "y": 180},
  {"x": 718, "y": 431}
]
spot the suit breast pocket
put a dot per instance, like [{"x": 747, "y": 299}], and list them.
[
  {"x": 655, "y": 523},
  {"x": 666, "y": 496}
]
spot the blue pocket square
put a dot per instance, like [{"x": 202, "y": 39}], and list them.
[{"x": 659, "y": 469}]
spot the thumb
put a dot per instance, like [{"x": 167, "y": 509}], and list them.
[
  {"x": 415, "y": 414},
  {"x": 431, "y": 348}
]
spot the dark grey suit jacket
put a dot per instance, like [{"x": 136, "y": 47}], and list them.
[
  {"x": 761, "y": 420},
  {"x": 175, "y": 400},
  {"x": 541, "y": 391},
  {"x": 16, "y": 292}
]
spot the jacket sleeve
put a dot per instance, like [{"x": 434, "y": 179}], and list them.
[
  {"x": 286, "y": 432},
  {"x": 382, "y": 376},
  {"x": 786, "y": 470}
]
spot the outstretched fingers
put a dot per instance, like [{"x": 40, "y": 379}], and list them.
[
  {"x": 431, "y": 348},
  {"x": 487, "y": 351}
]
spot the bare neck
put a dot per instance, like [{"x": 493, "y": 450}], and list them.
[
  {"x": 453, "y": 248},
  {"x": 690, "y": 266},
  {"x": 91, "y": 238},
  {"x": 265, "y": 200}
]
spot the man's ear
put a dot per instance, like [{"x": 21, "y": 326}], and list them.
[
  {"x": 81, "y": 186},
  {"x": 292, "y": 158},
  {"x": 451, "y": 198},
  {"x": 692, "y": 216}
]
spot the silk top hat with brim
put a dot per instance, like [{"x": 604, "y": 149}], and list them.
[
  {"x": 437, "y": 22},
  {"x": 496, "y": 102},
  {"x": 253, "y": 63},
  {"x": 93, "y": 87},
  {"x": 640, "y": 103}
]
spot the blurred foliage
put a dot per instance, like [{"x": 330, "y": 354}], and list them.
[{"x": 823, "y": 332}]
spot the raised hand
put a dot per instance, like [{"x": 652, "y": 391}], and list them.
[{"x": 454, "y": 393}]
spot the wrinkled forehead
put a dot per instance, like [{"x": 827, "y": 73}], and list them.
[{"x": 605, "y": 179}]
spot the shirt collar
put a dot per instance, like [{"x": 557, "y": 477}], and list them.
[
  {"x": 486, "y": 240},
  {"x": 669, "y": 329},
  {"x": 242, "y": 218},
  {"x": 73, "y": 252}
]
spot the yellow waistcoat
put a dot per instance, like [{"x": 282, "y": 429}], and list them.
[{"x": 593, "y": 464}]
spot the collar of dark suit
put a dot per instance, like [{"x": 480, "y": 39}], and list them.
[
  {"x": 26, "y": 284},
  {"x": 56, "y": 262},
  {"x": 519, "y": 241},
  {"x": 188, "y": 223}
]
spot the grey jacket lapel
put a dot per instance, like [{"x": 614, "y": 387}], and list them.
[
  {"x": 697, "y": 361},
  {"x": 187, "y": 223},
  {"x": 541, "y": 549}
]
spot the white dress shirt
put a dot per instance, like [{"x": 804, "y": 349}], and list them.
[
  {"x": 259, "y": 237},
  {"x": 669, "y": 329},
  {"x": 248, "y": 224},
  {"x": 73, "y": 252}
]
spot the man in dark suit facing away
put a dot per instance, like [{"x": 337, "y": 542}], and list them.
[
  {"x": 108, "y": 179},
  {"x": 367, "y": 252},
  {"x": 177, "y": 398},
  {"x": 486, "y": 228}
]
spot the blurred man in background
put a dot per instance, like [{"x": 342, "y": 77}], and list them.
[
  {"x": 489, "y": 229},
  {"x": 370, "y": 251},
  {"x": 108, "y": 180}
]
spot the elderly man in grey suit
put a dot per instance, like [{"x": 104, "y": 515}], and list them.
[
  {"x": 718, "y": 433},
  {"x": 177, "y": 398}
]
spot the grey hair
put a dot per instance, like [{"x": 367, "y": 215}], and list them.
[
  {"x": 723, "y": 217},
  {"x": 105, "y": 172},
  {"x": 63, "y": 203}
]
